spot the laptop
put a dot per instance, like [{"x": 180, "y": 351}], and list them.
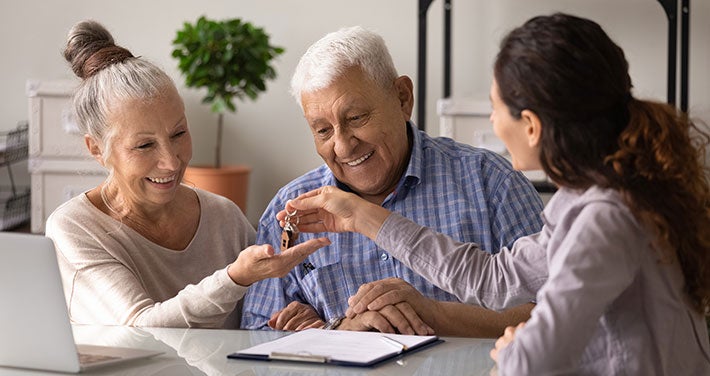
[{"x": 34, "y": 322}]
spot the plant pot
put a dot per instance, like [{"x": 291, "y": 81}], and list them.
[{"x": 231, "y": 182}]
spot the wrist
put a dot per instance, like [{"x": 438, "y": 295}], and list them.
[
  {"x": 333, "y": 323},
  {"x": 234, "y": 275},
  {"x": 438, "y": 314},
  {"x": 369, "y": 219}
]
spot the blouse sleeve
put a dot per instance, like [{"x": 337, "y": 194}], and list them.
[{"x": 508, "y": 278}]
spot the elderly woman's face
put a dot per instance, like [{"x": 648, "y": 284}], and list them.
[{"x": 151, "y": 148}]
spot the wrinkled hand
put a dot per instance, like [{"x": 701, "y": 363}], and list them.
[
  {"x": 296, "y": 316},
  {"x": 507, "y": 337},
  {"x": 259, "y": 262},
  {"x": 375, "y": 295},
  {"x": 399, "y": 318},
  {"x": 329, "y": 209}
]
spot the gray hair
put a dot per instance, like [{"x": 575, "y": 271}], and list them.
[
  {"x": 333, "y": 54},
  {"x": 111, "y": 75}
]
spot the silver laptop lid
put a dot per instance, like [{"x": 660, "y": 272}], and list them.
[{"x": 35, "y": 327}]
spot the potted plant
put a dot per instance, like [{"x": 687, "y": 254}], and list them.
[{"x": 232, "y": 60}]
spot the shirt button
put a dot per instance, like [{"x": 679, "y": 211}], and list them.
[{"x": 384, "y": 257}]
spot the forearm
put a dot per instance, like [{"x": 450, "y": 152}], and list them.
[
  {"x": 465, "y": 320},
  {"x": 509, "y": 278},
  {"x": 205, "y": 304}
]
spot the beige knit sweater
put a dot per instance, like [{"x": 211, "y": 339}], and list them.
[{"x": 112, "y": 275}]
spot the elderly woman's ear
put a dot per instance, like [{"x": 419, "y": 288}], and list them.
[{"x": 94, "y": 149}]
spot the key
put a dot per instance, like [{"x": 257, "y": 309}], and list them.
[{"x": 290, "y": 232}]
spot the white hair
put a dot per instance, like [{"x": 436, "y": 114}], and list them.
[
  {"x": 132, "y": 79},
  {"x": 332, "y": 55},
  {"x": 110, "y": 76}
]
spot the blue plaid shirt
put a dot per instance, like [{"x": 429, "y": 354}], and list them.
[{"x": 470, "y": 194}]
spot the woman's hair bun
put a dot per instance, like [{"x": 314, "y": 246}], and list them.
[{"x": 90, "y": 48}]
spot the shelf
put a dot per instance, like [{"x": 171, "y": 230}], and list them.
[{"x": 14, "y": 201}]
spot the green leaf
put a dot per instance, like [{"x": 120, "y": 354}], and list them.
[{"x": 232, "y": 59}]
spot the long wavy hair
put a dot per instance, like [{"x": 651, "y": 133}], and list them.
[{"x": 569, "y": 72}]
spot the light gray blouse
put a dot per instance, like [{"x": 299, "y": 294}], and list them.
[{"x": 608, "y": 303}]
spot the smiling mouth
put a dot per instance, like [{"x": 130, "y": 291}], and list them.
[
  {"x": 360, "y": 160},
  {"x": 162, "y": 180}
]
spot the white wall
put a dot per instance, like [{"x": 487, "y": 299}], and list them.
[{"x": 270, "y": 134}]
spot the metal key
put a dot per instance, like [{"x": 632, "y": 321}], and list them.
[{"x": 290, "y": 232}]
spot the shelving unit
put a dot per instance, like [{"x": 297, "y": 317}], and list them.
[
  {"x": 466, "y": 113},
  {"x": 14, "y": 200}
]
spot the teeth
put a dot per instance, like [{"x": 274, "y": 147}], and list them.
[
  {"x": 360, "y": 160},
  {"x": 162, "y": 180}
]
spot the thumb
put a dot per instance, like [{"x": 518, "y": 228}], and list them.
[
  {"x": 264, "y": 251},
  {"x": 306, "y": 248}
]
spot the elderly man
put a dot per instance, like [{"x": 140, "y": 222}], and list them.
[{"x": 359, "y": 111}]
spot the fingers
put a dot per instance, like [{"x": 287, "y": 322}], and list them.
[
  {"x": 258, "y": 262},
  {"x": 305, "y": 203},
  {"x": 274, "y": 320},
  {"x": 296, "y": 254},
  {"x": 358, "y": 302},
  {"x": 311, "y": 200},
  {"x": 505, "y": 340},
  {"x": 415, "y": 321},
  {"x": 318, "y": 323},
  {"x": 295, "y": 316},
  {"x": 378, "y": 294},
  {"x": 310, "y": 221},
  {"x": 370, "y": 320},
  {"x": 405, "y": 320},
  {"x": 391, "y": 319},
  {"x": 494, "y": 354},
  {"x": 287, "y": 315},
  {"x": 396, "y": 319}
]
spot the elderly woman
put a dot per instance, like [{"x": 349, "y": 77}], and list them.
[{"x": 142, "y": 249}]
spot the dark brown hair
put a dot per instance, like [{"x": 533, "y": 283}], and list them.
[
  {"x": 90, "y": 48},
  {"x": 569, "y": 72}
]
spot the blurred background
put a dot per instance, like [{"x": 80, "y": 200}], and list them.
[{"x": 270, "y": 134}]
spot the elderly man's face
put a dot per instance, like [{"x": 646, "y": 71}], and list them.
[{"x": 360, "y": 131}]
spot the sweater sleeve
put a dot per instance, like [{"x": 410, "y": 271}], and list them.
[
  {"x": 508, "y": 278},
  {"x": 103, "y": 284}
]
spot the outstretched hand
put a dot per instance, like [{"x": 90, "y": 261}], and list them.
[
  {"x": 259, "y": 262},
  {"x": 329, "y": 209}
]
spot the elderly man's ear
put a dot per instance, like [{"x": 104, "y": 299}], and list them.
[
  {"x": 94, "y": 149},
  {"x": 405, "y": 93}
]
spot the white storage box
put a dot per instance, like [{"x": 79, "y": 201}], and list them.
[
  {"x": 53, "y": 131},
  {"x": 56, "y": 181},
  {"x": 60, "y": 165}
]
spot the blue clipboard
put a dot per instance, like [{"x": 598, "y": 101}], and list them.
[{"x": 304, "y": 357}]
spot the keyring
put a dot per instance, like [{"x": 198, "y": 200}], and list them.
[{"x": 290, "y": 216}]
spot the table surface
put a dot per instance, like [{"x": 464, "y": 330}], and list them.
[{"x": 204, "y": 352}]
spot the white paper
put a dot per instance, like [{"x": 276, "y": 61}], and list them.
[{"x": 338, "y": 345}]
